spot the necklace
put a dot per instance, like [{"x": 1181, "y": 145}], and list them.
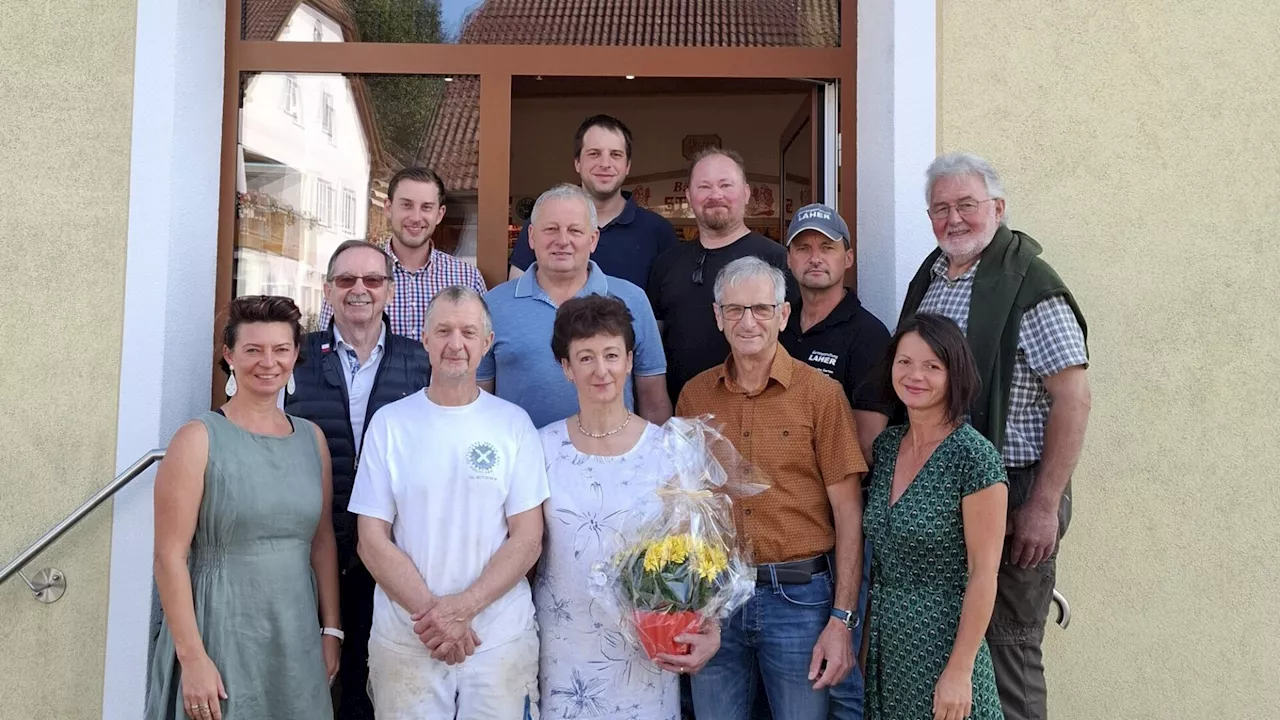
[{"x": 606, "y": 433}]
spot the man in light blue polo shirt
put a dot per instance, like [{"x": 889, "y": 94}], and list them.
[{"x": 520, "y": 366}]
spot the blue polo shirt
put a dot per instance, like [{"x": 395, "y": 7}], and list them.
[
  {"x": 628, "y": 244},
  {"x": 521, "y": 361}
]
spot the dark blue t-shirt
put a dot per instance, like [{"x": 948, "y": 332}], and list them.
[{"x": 627, "y": 248}]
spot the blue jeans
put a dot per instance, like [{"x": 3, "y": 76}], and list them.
[
  {"x": 846, "y": 698},
  {"x": 773, "y": 634}
]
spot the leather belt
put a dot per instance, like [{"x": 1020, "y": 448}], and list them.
[{"x": 796, "y": 572}]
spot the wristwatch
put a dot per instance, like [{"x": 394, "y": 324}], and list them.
[{"x": 847, "y": 617}]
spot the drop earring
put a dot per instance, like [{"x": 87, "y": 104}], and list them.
[
  {"x": 231, "y": 382},
  {"x": 290, "y": 386}
]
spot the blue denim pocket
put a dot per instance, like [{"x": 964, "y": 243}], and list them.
[{"x": 815, "y": 593}]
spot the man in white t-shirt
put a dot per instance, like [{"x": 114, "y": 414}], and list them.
[{"x": 449, "y": 492}]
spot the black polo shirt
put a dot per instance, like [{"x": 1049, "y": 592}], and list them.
[
  {"x": 628, "y": 245},
  {"x": 846, "y": 345},
  {"x": 690, "y": 337}
]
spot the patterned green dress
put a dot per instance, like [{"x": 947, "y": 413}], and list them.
[{"x": 919, "y": 570}]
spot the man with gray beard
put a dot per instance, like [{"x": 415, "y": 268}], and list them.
[{"x": 1028, "y": 338}]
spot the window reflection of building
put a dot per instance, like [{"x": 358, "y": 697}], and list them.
[
  {"x": 670, "y": 121},
  {"x": 309, "y": 149}
]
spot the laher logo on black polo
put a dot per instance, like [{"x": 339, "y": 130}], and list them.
[
  {"x": 482, "y": 457},
  {"x": 824, "y": 358}
]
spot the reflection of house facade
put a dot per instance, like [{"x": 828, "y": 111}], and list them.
[{"x": 308, "y": 144}]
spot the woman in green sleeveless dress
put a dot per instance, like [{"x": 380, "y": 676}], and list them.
[
  {"x": 244, "y": 544},
  {"x": 935, "y": 517}
]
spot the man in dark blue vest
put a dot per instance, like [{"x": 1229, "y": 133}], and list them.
[{"x": 349, "y": 370}]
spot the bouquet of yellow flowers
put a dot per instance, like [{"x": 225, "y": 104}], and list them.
[{"x": 681, "y": 563}]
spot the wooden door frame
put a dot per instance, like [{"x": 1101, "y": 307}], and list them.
[
  {"x": 805, "y": 114},
  {"x": 496, "y": 65}
]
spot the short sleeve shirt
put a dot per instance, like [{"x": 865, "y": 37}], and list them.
[
  {"x": 799, "y": 432},
  {"x": 521, "y": 363},
  {"x": 628, "y": 245},
  {"x": 846, "y": 345},
  {"x": 684, "y": 306},
  {"x": 447, "y": 479}
]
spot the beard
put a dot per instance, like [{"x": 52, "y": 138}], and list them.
[
  {"x": 716, "y": 218},
  {"x": 966, "y": 247}
]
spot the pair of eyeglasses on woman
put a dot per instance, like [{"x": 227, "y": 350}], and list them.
[
  {"x": 763, "y": 311},
  {"x": 373, "y": 282}
]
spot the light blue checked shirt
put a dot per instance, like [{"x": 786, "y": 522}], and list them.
[{"x": 359, "y": 377}]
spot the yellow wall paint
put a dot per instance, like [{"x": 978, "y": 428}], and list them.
[
  {"x": 1140, "y": 144},
  {"x": 64, "y": 158}
]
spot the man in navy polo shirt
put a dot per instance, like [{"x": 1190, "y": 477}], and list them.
[
  {"x": 520, "y": 367},
  {"x": 831, "y": 331},
  {"x": 631, "y": 237}
]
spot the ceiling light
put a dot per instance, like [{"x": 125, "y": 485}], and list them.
[
  {"x": 631, "y": 77},
  {"x": 448, "y": 79}
]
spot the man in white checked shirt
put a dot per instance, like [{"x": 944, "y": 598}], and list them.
[
  {"x": 414, "y": 208},
  {"x": 1028, "y": 338}
]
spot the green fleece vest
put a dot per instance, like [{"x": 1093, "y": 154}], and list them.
[{"x": 1011, "y": 279}]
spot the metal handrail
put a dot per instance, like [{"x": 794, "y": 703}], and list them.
[
  {"x": 51, "y": 583},
  {"x": 1064, "y": 609},
  {"x": 50, "y": 578}
]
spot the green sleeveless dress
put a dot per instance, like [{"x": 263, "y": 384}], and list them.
[
  {"x": 919, "y": 571},
  {"x": 251, "y": 579}
]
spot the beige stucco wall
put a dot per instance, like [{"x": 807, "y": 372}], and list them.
[
  {"x": 1139, "y": 142},
  {"x": 64, "y": 159}
]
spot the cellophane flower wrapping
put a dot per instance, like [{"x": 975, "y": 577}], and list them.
[{"x": 682, "y": 564}]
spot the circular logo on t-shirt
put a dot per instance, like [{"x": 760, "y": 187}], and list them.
[{"x": 482, "y": 456}]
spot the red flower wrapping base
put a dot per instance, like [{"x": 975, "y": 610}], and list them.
[{"x": 658, "y": 631}]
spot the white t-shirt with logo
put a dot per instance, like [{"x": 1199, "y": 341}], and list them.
[{"x": 447, "y": 479}]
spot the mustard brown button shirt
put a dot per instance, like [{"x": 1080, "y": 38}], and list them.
[{"x": 800, "y": 432}]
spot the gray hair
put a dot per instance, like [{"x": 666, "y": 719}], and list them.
[
  {"x": 348, "y": 245},
  {"x": 457, "y": 294},
  {"x": 745, "y": 268},
  {"x": 959, "y": 164},
  {"x": 565, "y": 191}
]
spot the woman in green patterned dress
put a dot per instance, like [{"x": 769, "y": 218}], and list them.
[{"x": 935, "y": 517}]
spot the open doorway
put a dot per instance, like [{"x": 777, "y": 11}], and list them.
[{"x": 780, "y": 127}]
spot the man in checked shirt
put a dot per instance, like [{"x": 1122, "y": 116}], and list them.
[
  {"x": 414, "y": 208},
  {"x": 1028, "y": 337}
]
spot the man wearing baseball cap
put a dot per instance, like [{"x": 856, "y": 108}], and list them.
[{"x": 831, "y": 331}]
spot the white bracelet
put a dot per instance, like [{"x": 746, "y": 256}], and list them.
[{"x": 334, "y": 632}]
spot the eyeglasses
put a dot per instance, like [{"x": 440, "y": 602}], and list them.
[
  {"x": 964, "y": 207},
  {"x": 697, "y": 271},
  {"x": 373, "y": 282},
  {"x": 763, "y": 311}
]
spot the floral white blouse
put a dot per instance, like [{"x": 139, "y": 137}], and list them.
[{"x": 588, "y": 668}]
